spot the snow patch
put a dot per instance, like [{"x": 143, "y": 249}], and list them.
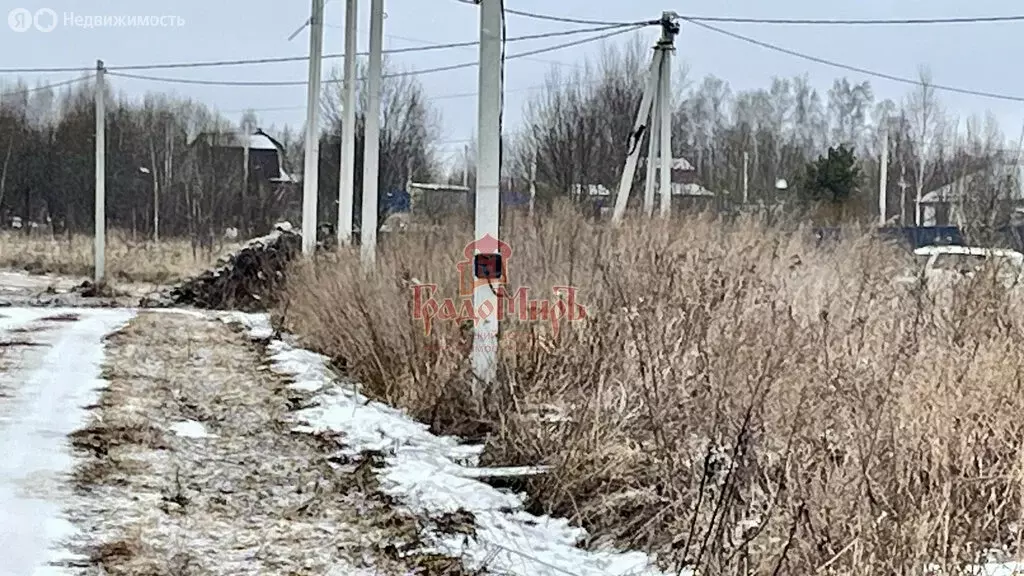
[
  {"x": 258, "y": 325},
  {"x": 432, "y": 475},
  {"x": 51, "y": 385},
  {"x": 191, "y": 429}
]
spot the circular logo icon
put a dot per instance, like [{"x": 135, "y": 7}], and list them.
[
  {"x": 19, "y": 19},
  {"x": 45, "y": 20}
]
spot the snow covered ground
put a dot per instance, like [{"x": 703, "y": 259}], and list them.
[
  {"x": 433, "y": 475},
  {"x": 187, "y": 466},
  {"x": 225, "y": 489},
  {"x": 51, "y": 359}
]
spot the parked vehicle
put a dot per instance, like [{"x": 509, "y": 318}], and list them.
[{"x": 942, "y": 264}]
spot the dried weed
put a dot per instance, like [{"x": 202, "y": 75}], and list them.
[{"x": 737, "y": 398}]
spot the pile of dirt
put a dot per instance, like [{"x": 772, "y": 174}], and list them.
[{"x": 246, "y": 279}]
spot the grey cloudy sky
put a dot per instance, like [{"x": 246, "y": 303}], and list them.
[{"x": 979, "y": 56}]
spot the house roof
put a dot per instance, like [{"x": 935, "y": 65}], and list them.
[
  {"x": 418, "y": 187},
  {"x": 677, "y": 164},
  {"x": 677, "y": 190},
  {"x": 255, "y": 141},
  {"x": 258, "y": 140},
  {"x": 952, "y": 191},
  {"x": 1010, "y": 160}
]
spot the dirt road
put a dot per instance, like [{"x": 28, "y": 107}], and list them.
[{"x": 51, "y": 361}]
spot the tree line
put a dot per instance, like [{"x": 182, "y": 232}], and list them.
[{"x": 576, "y": 130}]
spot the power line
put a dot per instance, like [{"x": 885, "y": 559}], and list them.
[
  {"x": 280, "y": 59},
  {"x": 856, "y": 21},
  {"x": 451, "y": 96},
  {"x": 857, "y": 69},
  {"x": 567, "y": 20},
  {"x": 267, "y": 83},
  {"x": 783, "y": 21},
  {"x": 4, "y": 93},
  {"x": 428, "y": 42}
]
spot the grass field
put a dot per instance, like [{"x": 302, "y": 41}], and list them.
[
  {"x": 127, "y": 261},
  {"x": 736, "y": 399}
]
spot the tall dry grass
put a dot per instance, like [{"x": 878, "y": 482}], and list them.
[
  {"x": 127, "y": 260},
  {"x": 737, "y": 399}
]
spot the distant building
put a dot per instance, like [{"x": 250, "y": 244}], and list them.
[
  {"x": 251, "y": 168},
  {"x": 944, "y": 206},
  {"x": 439, "y": 199},
  {"x": 265, "y": 154},
  {"x": 687, "y": 193}
]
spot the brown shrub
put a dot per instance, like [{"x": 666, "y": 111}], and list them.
[{"x": 737, "y": 399}]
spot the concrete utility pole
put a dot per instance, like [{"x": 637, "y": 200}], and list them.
[
  {"x": 100, "y": 217},
  {"x": 310, "y": 177},
  {"x": 346, "y": 178},
  {"x": 484, "y": 357},
  {"x": 746, "y": 178},
  {"x": 533, "y": 182},
  {"x": 465, "y": 165},
  {"x": 883, "y": 179},
  {"x": 657, "y": 97},
  {"x": 669, "y": 29},
  {"x": 903, "y": 193},
  {"x": 371, "y": 154},
  {"x": 653, "y": 153}
]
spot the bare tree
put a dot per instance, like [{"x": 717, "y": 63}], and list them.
[
  {"x": 925, "y": 113},
  {"x": 850, "y": 105},
  {"x": 409, "y": 132}
]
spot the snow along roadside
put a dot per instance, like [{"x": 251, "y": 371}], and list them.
[
  {"x": 187, "y": 466},
  {"x": 51, "y": 384},
  {"x": 434, "y": 475}
]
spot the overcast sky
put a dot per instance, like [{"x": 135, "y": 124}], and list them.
[{"x": 977, "y": 56}]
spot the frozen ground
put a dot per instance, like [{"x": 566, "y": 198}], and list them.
[
  {"x": 30, "y": 290},
  {"x": 436, "y": 477},
  {"x": 51, "y": 371},
  {"x": 188, "y": 467},
  {"x": 194, "y": 458}
]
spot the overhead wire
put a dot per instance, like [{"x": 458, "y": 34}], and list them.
[
  {"x": 778, "y": 21},
  {"x": 619, "y": 30},
  {"x": 568, "y": 20},
  {"x": 281, "y": 59},
  {"x": 857, "y": 21},
  {"x": 4, "y": 93},
  {"x": 852, "y": 68},
  {"x": 449, "y": 96}
]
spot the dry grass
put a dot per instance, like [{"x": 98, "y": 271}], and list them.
[
  {"x": 127, "y": 261},
  {"x": 740, "y": 400}
]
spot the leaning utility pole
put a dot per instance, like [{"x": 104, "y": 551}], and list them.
[{"x": 656, "y": 121}]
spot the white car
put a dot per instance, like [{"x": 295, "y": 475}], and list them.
[{"x": 950, "y": 263}]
